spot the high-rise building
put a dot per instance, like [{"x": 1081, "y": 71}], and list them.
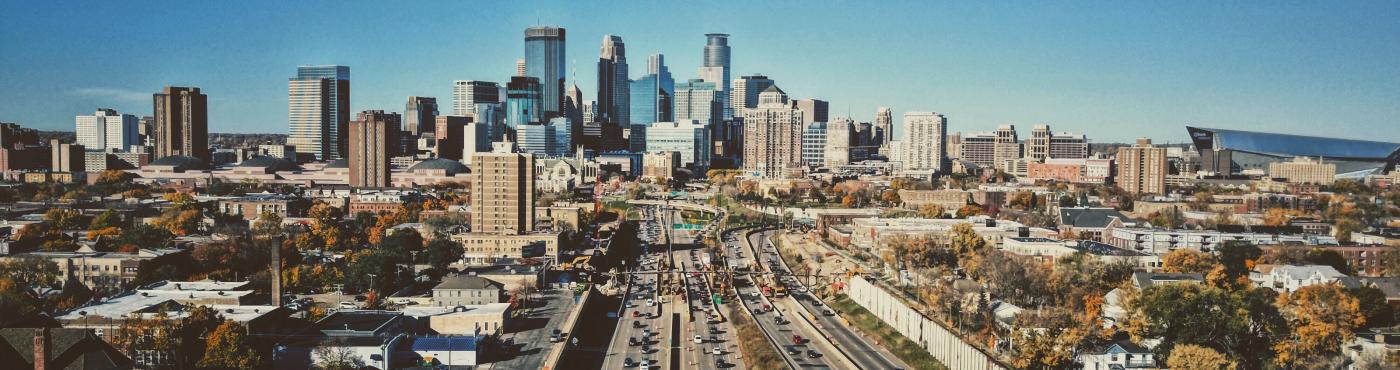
[
  {"x": 66, "y": 157},
  {"x": 977, "y": 147},
  {"x": 715, "y": 69},
  {"x": 573, "y": 110},
  {"x": 651, "y": 94},
  {"x": 374, "y": 138},
  {"x": 838, "y": 142},
  {"x": 503, "y": 187},
  {"x": 319, "y": 111},
  {"x": 478, "y": 135},
  {"x": 467, "y": 94},
  {"x": 1142, "y": 168},
  {"x": 108, "y": 130},
  {"x": 814, "y": 143},
  {"x": 544, "y": 60},
  {"x": 182, "y": 123},
  {"x": 1044, "y": 144},
  {"x": 451, "y": 136},
  {"x": 590, "y": 109},
  {"x": 1304, "y": 170},
  {"x": 698, "y": 100},
  {"x": 547, "y": 139},
  {"x": 419, "y": 118},
  {"x": 772, "y": 135},
  {"x": 689, "y": 138},
  {"x": 745, "y": 90},
  {"x": 1008, "y": 148},
  {"x": 148, "y": 130},
  {"x": 523, "y": 102},
  {"x": 613, "y": 93},
  {"x": 813, "y": 110},
  {"x": 884, "y": 125},
  {"x": 924, "y": 136}
]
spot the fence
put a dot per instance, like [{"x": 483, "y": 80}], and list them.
[{"x": 941, "y": 343}]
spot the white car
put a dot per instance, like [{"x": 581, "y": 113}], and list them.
[
  {"x": 698, "y": 339},
  {"x": 718, "y": 351},
  {"x": 348, "y": 305},
  {"x": 650, "y": 302}
]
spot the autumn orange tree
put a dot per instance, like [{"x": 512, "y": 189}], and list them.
[
  {"x": 1194, "y": 357},
  {"x": 1321, "y": 317},
  {"x": 1188, "y": 261},
  {"x": 227, "y": 348}
]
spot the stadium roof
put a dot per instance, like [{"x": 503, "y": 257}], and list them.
[{"x": 1285, "y": 145}]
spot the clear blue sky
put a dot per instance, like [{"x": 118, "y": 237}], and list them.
[{"x": 1116, "y": 70}]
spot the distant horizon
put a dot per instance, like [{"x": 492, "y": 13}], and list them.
[{"x": 1111, "y": 71}]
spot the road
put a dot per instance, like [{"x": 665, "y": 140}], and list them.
[
  {"x": 531, "y": 333},
  {"x": 863, "y": 352},
  {"x": 716, "y": 348},
  {"x": 641, "y": 327},
  {"x": 770, "y": 319}
]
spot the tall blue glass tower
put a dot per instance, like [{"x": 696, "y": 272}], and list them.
[
  {"x": 544, "y": 60},
  {"x": 336, "y": 110},
  {"x": 523, "y": 103}
]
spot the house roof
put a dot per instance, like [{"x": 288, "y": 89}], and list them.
[
  {"x": 467, "y": 282},
  {"x": 70, "y": 349},
  {"x": 1089, "y": 217},
  {"x": 1118, "y": 346},
  {"x": 1146, "y": 279}
]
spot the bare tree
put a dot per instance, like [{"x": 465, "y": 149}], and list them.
[{"x": 333, "y": 357}]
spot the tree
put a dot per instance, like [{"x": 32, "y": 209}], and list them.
[
  {"x": 30, "y": 270},
  {"x": 106, "y": 219},
  {"x": 65, "y": 219},
  {"x": 337, "y": 358},
  {"x": 191, "y": 332},
  {"x": 226, "y": 349},
  {"x": 268, "y": 224},
  {"x": 1187, "y": 261},
  {"x": 1194, "y": 357},
  {"x": 443, "y": 252},
  {"x": 890, "y": 197},
  {"x": 1242, "y": 324},
  {"x": 1373, "y": 306},
  {"x": 180, "y": 222},
  {"x": 1238, "y": 258},
  {"x": 1320, "y": 319},
  {"x": 931, "y": 210},
  {"x": 969, "y": 211}
]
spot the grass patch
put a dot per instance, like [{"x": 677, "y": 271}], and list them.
[
  {"x": 908, "y": 351},
  {"x": 758, "y": 352}
]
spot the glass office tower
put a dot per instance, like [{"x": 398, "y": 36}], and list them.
[
  {"x": 523, "y": 102},
  {"x": 544, "y": 60},
  {"x": 336, "y": 110}
]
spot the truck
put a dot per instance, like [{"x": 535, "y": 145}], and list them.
[
  {"x": 779, "y": 291},
  {"x": 767, "y": 291}
]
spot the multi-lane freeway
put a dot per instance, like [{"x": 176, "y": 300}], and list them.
[{"x": 800, "y": 343}]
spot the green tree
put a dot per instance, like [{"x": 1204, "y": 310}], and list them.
[
  {"x": 226, "y": 348},
  {"x": 1241, "y": 324},
  {"x": 443, "y": 252},
  {"x": 106, "y": 219},
  {"x": 1374, "y": 307},
  {"x": 1238, "y": 258}
]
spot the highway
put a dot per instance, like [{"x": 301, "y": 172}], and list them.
[
  {"x": 811, "y": 352},
  {"x": 864, "y": 353},
  {"x": 716, "y": 348}
]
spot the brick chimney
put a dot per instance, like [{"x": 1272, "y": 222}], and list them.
[{"x": 41, "y": 349}]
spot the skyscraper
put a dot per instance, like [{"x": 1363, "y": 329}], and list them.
[
  {"x": 613, "y": 93},
  {"x": 523, "y": 102},
  {"x": 1008, "y": 148},
  {"x": 573, "y": 110},
  {"x": 544, "y": 60},
  {"x": 651, "y": 94},
  {"x": 884, "y": 123},
  {"x": 419, "y": 117},
  {"x": 814, "y": 137},
  {"x": 698, "y": 100},
  {"x": 838, "y": 141},
  {"x": 715, "y": 68},
  {"x": 813, "y": 110},
  {"x": 1142, "y": 168},
  {"x": 467, "y": 94},
  {"x": 745, "y": 92},
  {"x": 309, "y": 117},
  {"x": 374, "y": 137},
  {"x": 182, "y": 123},
  {"x": 1044, "y": 144},
  {"x": 108, "y": 130},
  {"x": 547, "y": 139},
  {"x": 333, "y": 105},
  {"x": 772, "y": 135},
  {"x": 924, "y": 136},
  {"x": 450, "y": 133},
  {"x": 503, "y": 186}
]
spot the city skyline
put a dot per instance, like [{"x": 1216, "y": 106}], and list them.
[{"x": 1144, "y": 71}]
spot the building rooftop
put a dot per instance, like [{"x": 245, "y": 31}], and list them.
[
  {"x": 452, "y": 343},
  {"x": 1089, "y": 217},
  {"x": 349, "y": 323},
  {"x": 1145, "y": 279},
  {"x": 493, "y": 309},
  {"x": 1101, "y": 249},
  {"x": 467, "y": 282}
]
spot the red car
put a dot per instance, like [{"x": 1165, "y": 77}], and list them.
[
  {"x": 636, "y": 314},
  {"x": 796, "y": 339}
]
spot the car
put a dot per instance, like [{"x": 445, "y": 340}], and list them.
[
  {"x": 714, "y": 338},
  {"x": 828, "y": 312},
  {"x": 779, "y": 320},
  {"x": 650, "y": 302},
  {"x": 632, "y": 341},
  {"x": 636, "y": 324},
  {"x": 718, "y": 350},
  {"x": 627, "y": 362},
  {"x": 348, "y": 305},
  {"x": 812, "y": 353},
  {"x": 796, "y": 339},
  {"x": 698, "y": 339},
  {"x": 793, "y": 350},
  {"x": 646, "y": 364}
]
